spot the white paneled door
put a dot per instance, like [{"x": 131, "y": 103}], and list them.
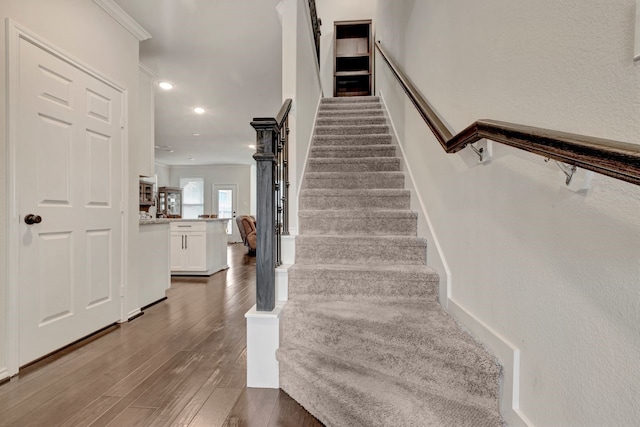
[{"x": 69, "y": 196}]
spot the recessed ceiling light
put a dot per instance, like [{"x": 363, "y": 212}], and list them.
[
  {"x": 252, "y": 146},
  {"x": 165, "y": 85},
  {"x": 196, "y": 134},
  {"x": 198, "y": 110}
]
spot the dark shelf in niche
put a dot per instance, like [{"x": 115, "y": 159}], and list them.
[{"x": 352, "y": 58}]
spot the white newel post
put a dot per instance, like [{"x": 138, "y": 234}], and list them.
[{"x": 263, "y": 337}]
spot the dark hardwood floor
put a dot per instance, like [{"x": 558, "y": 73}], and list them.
[{"x": 183, "y": 363}]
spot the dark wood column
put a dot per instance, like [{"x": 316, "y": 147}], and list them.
[{"x": 267, "y": 134}]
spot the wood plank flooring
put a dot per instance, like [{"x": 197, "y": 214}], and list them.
[{"x": 183, "y": 363}]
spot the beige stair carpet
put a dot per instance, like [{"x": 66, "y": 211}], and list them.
[{"x": 363, "y": 339}]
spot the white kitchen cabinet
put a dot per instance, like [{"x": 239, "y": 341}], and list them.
[
  {"x": 153, "y": 263},
  {"x": 198, "y": 247}
]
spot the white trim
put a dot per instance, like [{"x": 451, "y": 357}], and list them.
[
  {"x": 15, "y": 32},
  {"x": 282, "y": 283},
  {"x": 4, "y": 374},
  {"x": 414, "y": 190},
  {"x": 148, "y": 71},
  {"x": 306, "y": 158},
  {"x": 11, "y": 344},
  {"x": 509, "y": 356},
  {"x": 123, "y": 18},
  {"x": 263, "y": 340},
  {"x": 132, "y": 314},
  {"x": 124, "y": 207},
  {"x": 316, "y": 60}
]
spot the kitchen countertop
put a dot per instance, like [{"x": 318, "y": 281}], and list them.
[{"x": 168, "y": 220}]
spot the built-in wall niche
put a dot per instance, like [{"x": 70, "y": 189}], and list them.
[{"x": 352, "y": 58}]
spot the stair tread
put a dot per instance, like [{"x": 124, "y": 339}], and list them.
[
  {"x": 353, "y": 159},
  {"x": 357, "y": 240},
  {"x": 434, "y": 349},
  {"x": 346, "y": 192},
  {"x": 357, "y": 213},
  {"x": 352, "y": 147},
  {"x": 346, "y": 174},
  {"x": 350, "y": 394},
  {"x": 347, "y": 112},
  {"x": 360, "y": 268}
]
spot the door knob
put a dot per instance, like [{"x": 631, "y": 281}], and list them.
[{"x": 33, "y": 219}]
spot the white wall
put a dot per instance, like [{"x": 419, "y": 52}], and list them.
[
  {"x": 301, "y": 83},
  {"x": 337, "y": 10},
  {"x": 218, "y": 174},
  {"x": 163, "y": 172},
  {"x": 552, "y": 272},
  {"x": 86, "y": 32}
]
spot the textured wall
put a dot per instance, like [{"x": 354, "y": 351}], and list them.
[{"x": 554, "y": 272}]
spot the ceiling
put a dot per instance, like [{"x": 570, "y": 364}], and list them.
[{"x": 222, "y": 55}]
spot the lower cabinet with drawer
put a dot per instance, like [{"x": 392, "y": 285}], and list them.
[{"x": 198, "y": 247}]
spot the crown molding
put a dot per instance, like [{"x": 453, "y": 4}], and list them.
[
  {"x": 148, "y": 71},
  {"x": 123, "y": 18}
]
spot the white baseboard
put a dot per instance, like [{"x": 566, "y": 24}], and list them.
[
  {"x": 4, "y": 374},
  {"x": 133, "y": 313},
  {"x": 444, "y": 291},
  {"x": 289, "y": 249},
  {"x": 282, "y": 283},
  {"x": 509, "y": 356}
]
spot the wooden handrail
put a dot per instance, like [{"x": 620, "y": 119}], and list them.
[
  {"x": 315, "y": 26},
  {"x": 284, "y": 112},
  {"x": 616, "y": 159}
]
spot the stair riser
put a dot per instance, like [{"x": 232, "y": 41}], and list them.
[
  {"x": 350, "y": 113},
  {"x": 362, "y": 254},
  {"x": 356, "y": 226},
  {"x": 354, "y": 202},
  {"x": 350, "y": 100},
  {"x": 352, "y": 130},
  {"x": 362, "y": 164},
  {"x": 344, "y": 288},
  {"x": 316, "y": 401},
  {"x": 349, "y": 397},
  {"x": 354, "y": 183},
  {"x": 349, "y": 107},
  {"x": 388, "y": 358},
  {"x": 350, "y": 121},
  {"x": 342, "y": 140},
  {"x": 353, "y": 152}
]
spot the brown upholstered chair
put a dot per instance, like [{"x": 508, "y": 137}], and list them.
[{"x": 247, "y": 227}]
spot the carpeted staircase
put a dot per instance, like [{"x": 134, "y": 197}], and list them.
[{"x": 363, "y": 340}]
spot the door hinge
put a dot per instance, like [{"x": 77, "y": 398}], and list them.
[{"x": 121, "y": 291}]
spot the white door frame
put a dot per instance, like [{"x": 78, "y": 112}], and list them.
[{"x": 15, "y": 33}]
